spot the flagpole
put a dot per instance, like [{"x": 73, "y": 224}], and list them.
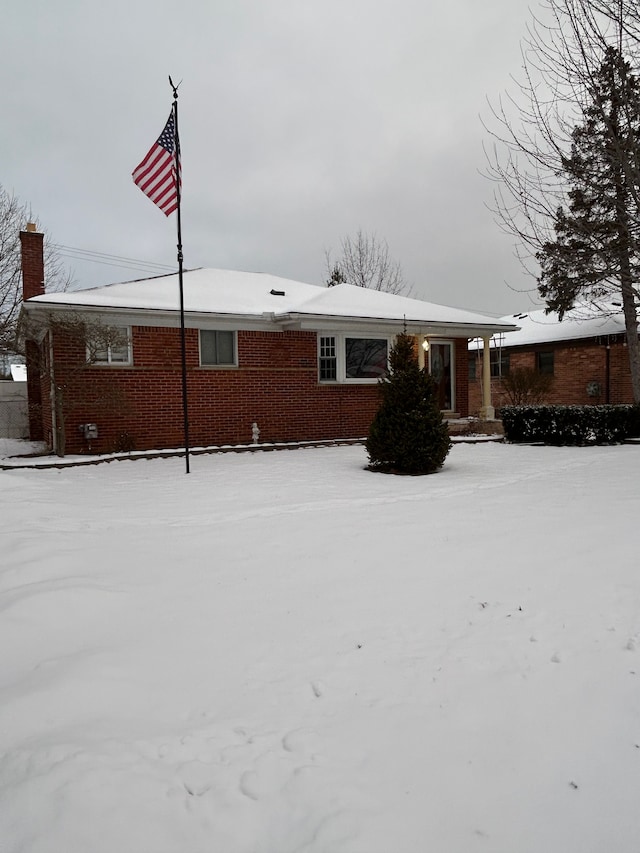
[{"x": 183, "y": 345}]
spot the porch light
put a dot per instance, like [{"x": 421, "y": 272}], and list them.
[{"x": 425, "y": 344}]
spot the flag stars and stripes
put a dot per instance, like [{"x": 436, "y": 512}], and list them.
[{"x": 156, "y": 174}]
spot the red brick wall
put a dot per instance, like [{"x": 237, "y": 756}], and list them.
[
  {"x": 462, "y": 377},
  {"x": 32, "y": 254},
  {"x": 576, "y": 363},
  {"x": 275, "y": 386},
  {"x": 32, "y": 259},
  {"x": 34, "y": 392}
]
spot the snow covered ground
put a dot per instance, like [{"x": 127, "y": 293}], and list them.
[{"x": 282, "y": 652}]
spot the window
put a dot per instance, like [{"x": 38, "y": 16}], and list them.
[
  {"x": 365, "y": 358},
  {"x": 110, "y": 346},
  {"x": 544, "y": 362},
  {"x": 328, "y": 362},
  {"x": 472, "y": 368},
  {"x": 499, "y": 362},
  {"x": 352, "y": 359},
  {"x": 217, "y": 347}
]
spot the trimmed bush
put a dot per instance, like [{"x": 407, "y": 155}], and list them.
[
  {"x": 407, "y": 434},
  {"x": 570, "y": 425}
]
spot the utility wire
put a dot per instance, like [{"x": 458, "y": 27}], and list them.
[
  {"x": 111, "y": 260},
  {"x": 128, "y": 266}
]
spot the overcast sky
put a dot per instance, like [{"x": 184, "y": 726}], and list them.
[{"x": 301, "y": 121}]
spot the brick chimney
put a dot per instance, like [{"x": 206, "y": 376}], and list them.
[
  {"x": 32, "y": 261},
  {"x": 33, "y": 285}
]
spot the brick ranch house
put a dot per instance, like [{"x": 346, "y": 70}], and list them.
[
  {"x": 300, "y": 361},
  {"x": 586, "y": 354}
]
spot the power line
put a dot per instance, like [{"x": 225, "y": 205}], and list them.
[
  {"x": 111, "y": 260},
  {"x": 129, "y": 266},
  {"x": 92, "y": 252}
]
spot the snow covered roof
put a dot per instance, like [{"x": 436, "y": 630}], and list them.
[
  {"x": 586, "y": 320},
  {"x": 258, "y": 295}
]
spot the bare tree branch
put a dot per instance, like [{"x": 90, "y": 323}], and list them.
[
  {"x": 572, "y": 208},
  {"x": 14, "y": 216},
  {"x": 366, "y": 262}
]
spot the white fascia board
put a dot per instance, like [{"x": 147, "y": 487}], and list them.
[
  {"x": 319, "y": 322},
  {"x": 159, "y": 318},
  {"x": 270, "y": 322},
  {"x": 234, "y": 322}
]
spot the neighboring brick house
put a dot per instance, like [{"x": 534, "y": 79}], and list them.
[
  {"x": 586, "y": 354},
  {"x": 300, "y": 361}
]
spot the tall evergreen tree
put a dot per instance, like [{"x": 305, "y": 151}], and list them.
[
  {"x": 570, "y": 195},
  {"x": 408, "y": 434},
  {"x": 596, "y": 250},
  {"x": 336, "y": 276}
]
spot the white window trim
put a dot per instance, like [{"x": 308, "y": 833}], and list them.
[
  {"x": 341, "y": 366},
  {"x": 226, "y": 366},
  {"x": 108, "y": 362}
]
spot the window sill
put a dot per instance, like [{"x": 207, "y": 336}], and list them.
[
  {"x": 217, "y": 366},
  {"x": 345, "y": 383},
  {"x": 109, "y": 365}
]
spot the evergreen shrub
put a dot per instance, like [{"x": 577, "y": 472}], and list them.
[
  {"x": 570, "y": 425},
  {"x": 408, "y": 434}
]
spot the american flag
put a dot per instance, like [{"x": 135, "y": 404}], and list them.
[{"x": 156, "y": 174}]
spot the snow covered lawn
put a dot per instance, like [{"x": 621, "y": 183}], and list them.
[{"x": 282, "y": 652}]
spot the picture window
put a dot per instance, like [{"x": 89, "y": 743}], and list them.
[{"x": 352, "y": 359}]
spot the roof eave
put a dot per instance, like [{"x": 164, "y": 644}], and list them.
[
  {"x": 133, "y": 315},
  {"x": 137, "y": 316},
  {"x": 316, "y": 322}
]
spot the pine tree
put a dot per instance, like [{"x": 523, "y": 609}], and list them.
[
  {"x": 408, "y": 434},
  {"x": 336, "y": 276},
  {"x": 596, "y": 250}
]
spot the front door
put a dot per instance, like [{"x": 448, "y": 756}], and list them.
[{"x": 441, "y": 368}]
